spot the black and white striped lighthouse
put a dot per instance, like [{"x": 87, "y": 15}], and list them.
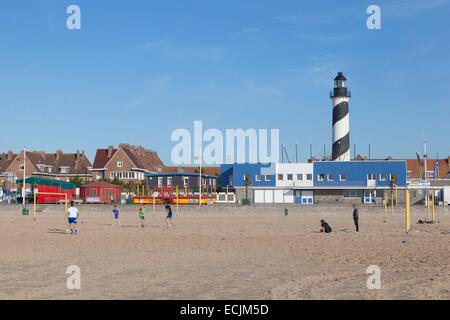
[{"x": 341, "y": 121}]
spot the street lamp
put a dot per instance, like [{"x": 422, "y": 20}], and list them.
[
  {"x": 200, "y": 180},
  {"x": 24, "y": 175}
]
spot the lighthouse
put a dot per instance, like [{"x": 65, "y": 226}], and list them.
[{"x": 341, "y": 121}]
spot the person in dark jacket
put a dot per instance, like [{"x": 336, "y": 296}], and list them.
[
  {"x": 356, "y": 217},
  {"x": 325, "y": 227}
]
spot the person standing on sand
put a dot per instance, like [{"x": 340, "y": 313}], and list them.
[
  {"x": 356, "y": 217},
  {"x": 116, "y": 216},
  {"x": 72, "y": 217},
  {"x": 142, "y": 216},
  {"x": 169, "y": 217}
]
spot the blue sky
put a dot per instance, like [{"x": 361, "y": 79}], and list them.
[{"x": 137, "y": 70}]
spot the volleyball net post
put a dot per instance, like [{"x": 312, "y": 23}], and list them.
[
  {"x": 176, "y": 190},
  {"x": 35, "y": 195},
  {"x": 407, "y": 211}
]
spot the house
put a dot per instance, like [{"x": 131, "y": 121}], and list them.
[
  {"x": 57, "y": 166},
  {"x": 126, "y": 163},
  {"x": 415, "y": 171},
  {"x": 5, "y": 160}
]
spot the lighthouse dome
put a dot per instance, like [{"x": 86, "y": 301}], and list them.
[{"x": 340, "y": 77}]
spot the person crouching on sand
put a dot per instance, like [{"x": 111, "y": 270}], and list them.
[
  {"x": 142, "y": 216},
  {"x": 169, "y": 217},
  {"x": 325, "y": 227},
  {"x": 72, "y": 217},
  {"x": 116, "y": 216}
]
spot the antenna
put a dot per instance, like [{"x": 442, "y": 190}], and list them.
[{"x": 287, "y": 156}]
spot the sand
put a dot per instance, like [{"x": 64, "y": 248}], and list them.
[{"x": 224, "y": 252}]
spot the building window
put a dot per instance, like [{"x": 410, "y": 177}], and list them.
[
  {"x": 186, "y": 181},
  {"x": 409, "y": 174},
  {"x": 320, "y": 177},
  {"x": 280, "y": 177},
  {"x": 370, "y": 176},
  {"x": 64, "y": 169},
  {"x": 352, "y": 193},
  {"x": 309, "y": 177},
  {"x": 343, "y": 177},
  {"x": 382, "y": 177},
  {"x": 299, "y": 177},
  {"x": 258, "y": 177},
  {"x": 330, "y": 177},
  {"x": 268, "y": 177},
  {"x": 21, "y": 167},
  {"x": 290, "y": 177},
  {"x": 392, "y": 177},
  {"x": 119, "y": 164},
  {"x": 160, "y": 181},
  {"x": 169, "y": 181}
]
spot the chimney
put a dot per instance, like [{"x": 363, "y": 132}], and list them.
[
  {"x": 58, "y": 155},
  {"x": 448, "y": 160},
  {"x": 110, "y": 151},
  {"x": 77, "y": 155},
  {"x": 9, "y": 155}
]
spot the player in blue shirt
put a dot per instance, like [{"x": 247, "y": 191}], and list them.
[
  {"x": 116, "y": 216},
  {"x": 169, "y": 217}
]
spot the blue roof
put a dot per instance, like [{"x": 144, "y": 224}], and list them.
[{"x": 178, "y": 174}]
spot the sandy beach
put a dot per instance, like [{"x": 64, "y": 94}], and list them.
[{"x": 224, "y": 252}]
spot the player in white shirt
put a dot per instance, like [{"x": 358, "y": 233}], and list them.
[{"x": 72, "y": 216}]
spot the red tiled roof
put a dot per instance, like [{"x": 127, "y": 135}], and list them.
[
  {"x": 5, "y": 161},
  {"x": 142, "y": 158},
  {"x": 413, "y": 166},
  {"x": 76, "y": 162},
  {"x": 101, "y": 158}
]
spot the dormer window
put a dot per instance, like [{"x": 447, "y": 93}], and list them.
[{"x": 64, "y": 169}]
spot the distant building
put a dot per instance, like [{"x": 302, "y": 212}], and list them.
[
  {"x": 313, "y": 183},
  {"x": 126, "y": 163},
  {"x": 57, "y": 166},
  {"x": 5, "y": 160},
  {"x": 187, "y": 183},
  {"x": 211, "y": 171},
  {"x": 416, "y": 171}
]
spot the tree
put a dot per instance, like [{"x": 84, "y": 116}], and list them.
[{"x": 77, "y": 181}]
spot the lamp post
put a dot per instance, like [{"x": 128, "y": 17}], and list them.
[
  {"x": 24, "y": 175},
  {"x": 370, "y": 143},
  {"x": 199, "y": 181}
]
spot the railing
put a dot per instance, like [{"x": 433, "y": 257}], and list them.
[{"x": 340, "y": 93}]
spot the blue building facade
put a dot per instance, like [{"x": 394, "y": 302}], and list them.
[
  {"x": 234, "y": 175},
  {"x": 319, "y": 182},
  {"x": 361, "y": 174}
]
